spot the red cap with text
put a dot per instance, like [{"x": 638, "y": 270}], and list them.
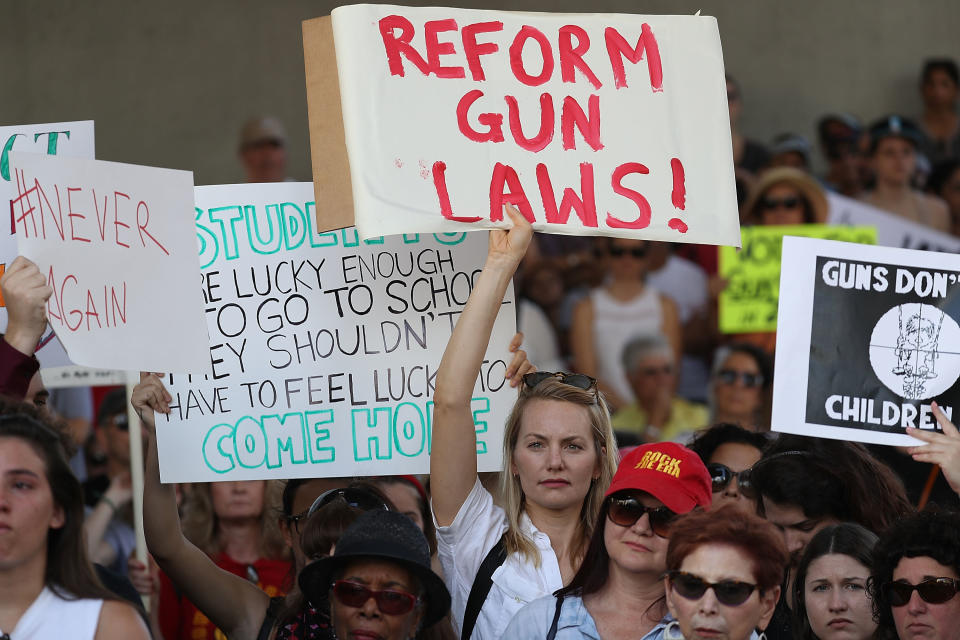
[{"x": 669, "y": 472}]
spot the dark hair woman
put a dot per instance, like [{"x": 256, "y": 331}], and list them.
[{"x": 47, "y": 585}]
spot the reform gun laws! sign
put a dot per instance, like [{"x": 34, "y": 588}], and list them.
[
  {"x": 323, "y": 348},
  {"x": 867, "y": 340},
  {"x": 588, "y": 123}
]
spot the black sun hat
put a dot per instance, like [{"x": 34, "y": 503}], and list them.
[{"x": 380, "y": 535}]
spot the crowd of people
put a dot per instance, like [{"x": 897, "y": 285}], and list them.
[{"x": 642, "y": 495}]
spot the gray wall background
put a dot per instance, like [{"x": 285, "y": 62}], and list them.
[{"x": 170, "y": 83}]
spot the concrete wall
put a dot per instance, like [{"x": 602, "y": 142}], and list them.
[{"x": 170, "y": 83}]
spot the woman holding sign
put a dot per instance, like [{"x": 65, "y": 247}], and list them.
[{"x": 558, "y": 461}]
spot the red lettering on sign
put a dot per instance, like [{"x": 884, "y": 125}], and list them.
[
  {"x": 573, "y": 115},
  {"x": 435, "y": 48},
  {"x": 505, "y": 175},
  {"x": 571, "y": 57},
  {"x": 395, "y": 46},
  {"x": 473, "y": 49},
  {"x": 516, "y": 56},
  {"x": 544, "y": 136},
  {"x": 617, "y": 49},
  {"x": 585, "y": 204},
  {"x": 643, "y": 218},
  {"x": 493, "y": 121}
]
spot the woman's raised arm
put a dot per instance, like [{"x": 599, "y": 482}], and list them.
[
  {"x": 453, "y": 458},
  {"x": 236, "y": 606}
]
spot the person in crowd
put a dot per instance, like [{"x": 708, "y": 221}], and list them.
[
  {"x": 263, "y": 150},
  {"x": 790, "y": 150},
  {"x": 785, "y": 196},
  {"x": 729, "y": 451},
  {"x": 740, "y": 386},
  {"x": 623, "y": 308},
  {"x": 806, "y": 484},
  {"x": 109, "y": 526},
  {"x": 915, "y": 577},
  {"x": 234, "y": 524},
  {"x": 233, "y": 603},
  {"x": 841, "y": 141},
  {"x": 831, "y": 601},
  {"x": 48, "y": 587},
  {"x": 657, "y": 413},
  {"x": 749, "y": 156},
  {"x": 618, "y": 591},
  {"x": 559, "y": 456},
  {"x": 940, "y": 124},
  {"x": 724, "y": 569},
  {"x": 378, "y": 581},
  {"x": 893, "y": 157},
  {"x": 944, "y": 183}
]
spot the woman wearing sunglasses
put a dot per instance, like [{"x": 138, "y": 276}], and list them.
[
  {"x": 618, "y": 591},
  {"x": 740, "y": 385},
  {"x": 622, "y": 308},
  {"x": 785, "y": 196},
  {"x": 915, "y": 577},
  {"x": 729, "y": 451},
  {"x": 558, "y": 460},
  {"x": 378, "y": 580},
  {"x": 724, "y": 573},
  {"x": 830, "y": 598}
]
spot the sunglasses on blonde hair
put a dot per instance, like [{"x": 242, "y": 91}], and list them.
[{"x": 578, "y": 380}]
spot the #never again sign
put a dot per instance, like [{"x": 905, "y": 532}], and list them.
[
  {"x": 323, "y": 348},
  {"x": 867, "y": 340},
  {"x": 588, "y": 123}
]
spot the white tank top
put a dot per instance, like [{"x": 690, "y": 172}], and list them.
[
  {"x": 615, "y": 324},
  {"x": 50, "y": 617}
]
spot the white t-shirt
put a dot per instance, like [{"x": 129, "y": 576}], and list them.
[
  {"x": 50, "y": 617},
  {"x": 465, "y": 543}
]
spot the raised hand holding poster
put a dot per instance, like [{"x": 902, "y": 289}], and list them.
[
  {"x": 323, "y": 348},
  {"x": 868, "y": 338},
  {"x": 590, "y": 124},
  {"x": 119, "y": 250},
  {"x": 55, "y": 138}
]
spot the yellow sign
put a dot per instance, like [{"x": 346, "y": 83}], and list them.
[{"x": 749, "y": 302}]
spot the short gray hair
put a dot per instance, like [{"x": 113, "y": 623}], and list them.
[{"x": 643, "y": 346}]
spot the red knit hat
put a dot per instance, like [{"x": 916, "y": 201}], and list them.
[{"x": 669, "y": 472}]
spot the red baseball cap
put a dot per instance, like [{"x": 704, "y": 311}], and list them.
[{"x": 670, "y": 472}]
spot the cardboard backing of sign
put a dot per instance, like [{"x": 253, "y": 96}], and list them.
[{"x": 328, "y": 147}]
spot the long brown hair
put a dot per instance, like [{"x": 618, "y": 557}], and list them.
[
  {"x": 604, "y": 444},
  {"x": 200, "y": 522},
  {"x": 69, "y": 572}
]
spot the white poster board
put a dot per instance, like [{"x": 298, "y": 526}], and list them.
[
  {"x": 590, "y": 124},
  {"x": 892, "y": 230},
  {"x": 867, "y": 340},
  {"x": 118, "y": 249},
  {"x": 323, "y": 348},
  {"x": 56, "y": 138}
]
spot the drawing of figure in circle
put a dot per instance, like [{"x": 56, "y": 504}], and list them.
[{"x": 914, "y": 351}]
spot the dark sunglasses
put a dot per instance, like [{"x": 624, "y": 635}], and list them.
[
  {"x": 932, "y": 591},
  {"x": 729, "y": 592},
  {"x": 619, "y": 252},
  {"x": 392, "y": 603},
  {"x": 730, "y": 377},
  {"x": 625, "y": 512},
  {"x": 721, "y": 475},
  {"x": 748, "y": 485},
  {"x": 578, "y": 380},
  {"x": 770, "y": 204},
  {"x": 354, "y": 497}
]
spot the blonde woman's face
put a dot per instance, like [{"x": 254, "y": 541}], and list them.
[
  {"x": 555, "y": 457},
  {"x": 238, "y": 500}
]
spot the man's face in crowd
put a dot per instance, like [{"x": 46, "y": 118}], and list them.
[
  {"x": 797, "y": 528},
  {"x": 265, "y": 161}
]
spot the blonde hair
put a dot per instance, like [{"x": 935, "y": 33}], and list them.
[
  {"x": 605, "y": 446},
  {"x": 200, "y": 523}
]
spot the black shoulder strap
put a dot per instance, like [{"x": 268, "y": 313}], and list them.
[
  {"x": 481, "y": 587},
  {"x": 270, "y": 617},
  {"x": 552, "y": 633}
]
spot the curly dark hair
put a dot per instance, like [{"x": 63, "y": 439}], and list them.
[
  {"x": 706, "y": 442},
  {"x": 931, "y": 534}
]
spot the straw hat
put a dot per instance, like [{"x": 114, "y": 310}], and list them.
[{"x": 808, "y": 187}]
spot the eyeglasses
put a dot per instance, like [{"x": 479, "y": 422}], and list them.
[
  {"x": 721, "y": 475},
  {"x": 392, "y": 603},
  {"x": 748, "y": 485},
  {"x": 353, "y": 496},
  {"x": 729, "y": 592},
  {"x": 578, "y": 380},
  {"x": 619, "y": 252},
  {"x": 730, "y": 377},
  {"x": 625, "y": 512},
  {"x": 770, "y": 204},
  {"x": 931, "y": 590}
]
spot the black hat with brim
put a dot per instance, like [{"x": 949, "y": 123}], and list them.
[{"x": 380, "y": 535}]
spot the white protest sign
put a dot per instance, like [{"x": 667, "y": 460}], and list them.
[
  {"x": 56, "y": 138},
  {"x": 590, "y": 124},
  {"x": 892, "y": 230},
  {"x": 323, "y": 348},
  {"x": 867, "y": 339},
  {"x": 117, "y": 247}
]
